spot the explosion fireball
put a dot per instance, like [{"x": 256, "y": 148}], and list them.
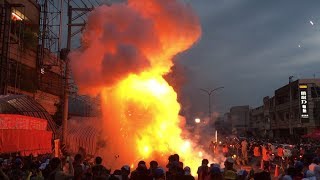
[{"x": 127, "y": 49}]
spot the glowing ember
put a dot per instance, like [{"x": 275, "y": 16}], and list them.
[{"x": 127, "y": 49}]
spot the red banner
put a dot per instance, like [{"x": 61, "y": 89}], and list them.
[
  {"x": 25, "y": 141},
  {"x": 14, "y": 121}
]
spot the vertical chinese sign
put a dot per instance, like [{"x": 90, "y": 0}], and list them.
[{"x": 304, "y": 111}]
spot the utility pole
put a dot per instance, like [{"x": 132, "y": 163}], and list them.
[
  {"x": 290, "y": 110},
  {"x": 67, "y": 60},
  {"x": 209, "y": 92},
  {"x": 66, "y": 82}
]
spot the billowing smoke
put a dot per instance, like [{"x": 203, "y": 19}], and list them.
[
  {"x": 123, "y": 39},
  {"x": 127, "y": 49},
  {"x": 115, "y": 43}
]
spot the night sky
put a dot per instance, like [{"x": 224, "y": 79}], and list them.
[{"x": 250, "y": 47}]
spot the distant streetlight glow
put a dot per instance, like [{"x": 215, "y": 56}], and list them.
[{"x": 197, "y": 120}]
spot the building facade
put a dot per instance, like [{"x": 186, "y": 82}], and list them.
[
  {"x": 222, "y": 126},
  {"x": 239, "y": 119},
  {"x": 294, "y": 110},
  {"x": 260, "y": 119},
  {"x": 24, "y": 69}
]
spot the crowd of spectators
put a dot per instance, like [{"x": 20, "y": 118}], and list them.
[{"x": 300, "y": 165}]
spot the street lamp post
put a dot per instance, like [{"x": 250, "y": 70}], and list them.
[
  {"x": 209, "y": 92},
  {"x": 290, "y": 106},
  {"x": 314, "y": 74}
]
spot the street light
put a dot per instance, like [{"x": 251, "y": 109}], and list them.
[
  {"x": 290, "y": 106},
  {"x": 314, "y": 74},
  {"x": 197, "y": 120},
  {"x": 209, "y": 92}
]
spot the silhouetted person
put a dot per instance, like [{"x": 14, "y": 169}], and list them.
[
  {"x": 125, "y": 171},
  {"x": 56, "y": 170},
  {"x": 78, "y": 168},
  {"x": 153, "y": 167},
  {"x": 141, "y": 173},
  {"x": 203, "y": 170},
  {"x": 229, "y": 171},
  {"x": 98, "y": 170},
  {"x": 187, "y": 174}
]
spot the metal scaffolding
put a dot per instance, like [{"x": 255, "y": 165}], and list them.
[
  {"x": 48, "y": 54},
  {"x": 50, "y": 32},
  {"x": 76, "y": 13},
  {"x": 12, "y": 24},
  {"x": 5, "y": 20}
]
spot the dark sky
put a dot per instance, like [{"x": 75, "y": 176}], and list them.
[{"x": 250, "y": 47}]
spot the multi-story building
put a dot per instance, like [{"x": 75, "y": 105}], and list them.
[
  {"x": 257, "y": 120},
  {"x": 240, "y": 119},
  {"x": 25, "y": 67},
  {"x": 296, "y": 108},
  {"x": 293, "y": 110},
  {"x": 222, "y": 126},
  {"x": 260, "y": 119}
]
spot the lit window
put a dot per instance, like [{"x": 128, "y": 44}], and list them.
[{"x": 17, "y": 15}]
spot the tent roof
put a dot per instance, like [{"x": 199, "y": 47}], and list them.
[
  {"x": 27, "y": 106},
  {"x": 83, "y": 132}
]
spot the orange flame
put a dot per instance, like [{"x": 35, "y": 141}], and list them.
[
  {"x": 143, "y": 110},
  {"x": 127, "y": 49}
]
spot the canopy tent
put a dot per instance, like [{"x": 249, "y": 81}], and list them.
[
  {"x": 25, "y": 126},
  {"x": 24, "y": 134},
  {"x": 25, "y": 141},
  {"x": 83, "y": 134},
  {"x": 84, "y": 138},
  {"x": 27, "y": 106}
]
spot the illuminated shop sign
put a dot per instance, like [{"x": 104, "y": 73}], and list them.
[{"x": 304, "y": 101}]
